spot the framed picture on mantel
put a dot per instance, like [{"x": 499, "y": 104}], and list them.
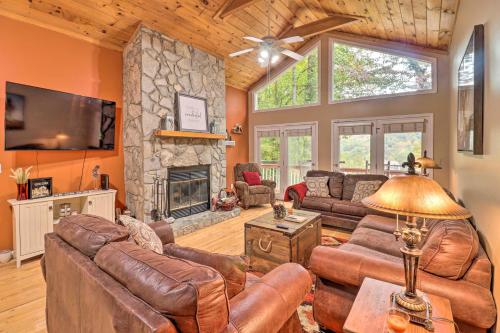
[
  {"x": 192, "y": 113},
  {"x": 470, "y": 95}
]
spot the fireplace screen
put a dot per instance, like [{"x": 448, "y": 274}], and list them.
[{"x": 189, "y": 190}]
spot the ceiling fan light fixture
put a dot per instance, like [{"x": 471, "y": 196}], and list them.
[
  {"x": 275, "y": 58},
  {"x": 264, "y": 53}
]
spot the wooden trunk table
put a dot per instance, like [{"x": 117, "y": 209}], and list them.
[
  {"x": 268, "y": 246},
  {"x": 369, "y": 311}
]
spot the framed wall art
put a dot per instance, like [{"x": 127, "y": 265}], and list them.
[
  {"x": 470, "y": 95},
  {"x": 39, "y": 188},
  {"x": 192, "y": 113}
]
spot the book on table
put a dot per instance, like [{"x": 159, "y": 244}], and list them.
[{"x": 295, "y": 218}]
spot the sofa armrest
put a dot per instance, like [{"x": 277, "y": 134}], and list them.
[
  {"x": 164, "y": 231},
  {"x": 241, "y": 188},
  {"x": 268, "y": 304},
  {"x": 470, "y": 303},
  {"x": 295, "y": 198},
  {"x": 269, "y": 183},
  {"x": 232, "y": 268}
]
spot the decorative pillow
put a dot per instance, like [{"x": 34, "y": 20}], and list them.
[
  {"x": 142, "y": 234},
  {"x": 317, "y": 186},
  {"x": 450, "y": 249},
  {"x": 252, "y": 178},
  {"x": 365, "y": 188}
]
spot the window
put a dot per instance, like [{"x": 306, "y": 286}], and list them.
[
  {"x": 379, "y": 145},
  {"x": 296, "y": 86},
  {"x": 360, "y": 72}
]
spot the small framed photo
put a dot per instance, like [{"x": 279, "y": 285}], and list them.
[
  {"x": 39, "y": 188},
  {"x": 192, "y": 113}
]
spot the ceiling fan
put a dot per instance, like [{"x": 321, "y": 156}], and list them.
[{"x": 270, "y": 48}]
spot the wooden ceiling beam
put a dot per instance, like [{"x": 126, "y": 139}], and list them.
[
  {"x": 320, "y": 26},
  {"x": 232, "y": 6}
]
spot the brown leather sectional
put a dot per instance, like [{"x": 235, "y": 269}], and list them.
[
  {"x": 453, "y": 265},
  {"x": 98, "y": 281},
  {"x": 337, "y": 210}
]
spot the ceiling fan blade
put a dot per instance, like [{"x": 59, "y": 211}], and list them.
[
  {"x": 293, "y": 39},
  {"x": 292, "y": 54},
  {"x": 253, "y": 39},
  {"x": 238, "y": 53}
]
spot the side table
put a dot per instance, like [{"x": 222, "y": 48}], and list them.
[{"x": 368, "y": 313}]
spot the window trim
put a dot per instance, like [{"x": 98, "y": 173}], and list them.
[
  {"x": 276, "y": 75},
  {"x": 391, "y": 51}
]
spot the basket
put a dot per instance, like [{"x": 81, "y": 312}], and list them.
[{"x": 229, "y": 202}]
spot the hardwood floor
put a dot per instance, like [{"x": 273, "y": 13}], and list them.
[{"x": 22, "y": 291}]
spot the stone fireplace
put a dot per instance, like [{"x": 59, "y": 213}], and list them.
[{"x": 156, "y": 67}]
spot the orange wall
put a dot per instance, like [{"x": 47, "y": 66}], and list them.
[
  {"x": 43, "y": 58},
  {"x": 236, "y": 112}
]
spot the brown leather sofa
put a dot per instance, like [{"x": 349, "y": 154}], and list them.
[
  {"x": 256, "y": 194},
  {"x": 99, "y": 281},
  {"x": 337, "y": 210},
  {"x": 453, "y": 265}
]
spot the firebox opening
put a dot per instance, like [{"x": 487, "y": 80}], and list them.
[{"x": 189, "y": 190}]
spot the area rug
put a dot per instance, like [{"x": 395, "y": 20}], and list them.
[{"x": 305, "y": 311}]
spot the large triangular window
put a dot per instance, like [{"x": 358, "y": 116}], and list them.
[{"x": 296, "y": 86}]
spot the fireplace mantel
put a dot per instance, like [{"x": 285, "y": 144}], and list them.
[{"x": 182, "y": 134}]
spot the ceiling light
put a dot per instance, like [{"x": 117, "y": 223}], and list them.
[
  {"x": 264, "y": 53},
  {"x": 275, "y": 59}
]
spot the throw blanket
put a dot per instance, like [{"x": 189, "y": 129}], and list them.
[{"x": 300, "y": 188}]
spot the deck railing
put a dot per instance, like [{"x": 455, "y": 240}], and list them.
[{"x": 296, "y": 173}]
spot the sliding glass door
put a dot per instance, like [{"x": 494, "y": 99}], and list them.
[
  {"x": 380, "y": 145},
  {"x": 286, "y": 152}
]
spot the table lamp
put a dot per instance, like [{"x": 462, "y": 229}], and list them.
[
  {"x": 414, "y": 196},
  {"x": 426, "y": 162}
]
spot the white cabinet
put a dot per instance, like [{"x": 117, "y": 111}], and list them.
[
  {"x": 100, "y": 205},
  {"x": 32, "y": 219}
]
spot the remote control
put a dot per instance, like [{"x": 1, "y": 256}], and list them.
[{"x": 281, "y": 226}]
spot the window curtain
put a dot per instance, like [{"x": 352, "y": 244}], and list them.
[
  {"x": 408, "y": 127},
  {"x": 299, "y": 132},
  {"x": 268, "y": 133},
  {"x": 355, "y": 129}
]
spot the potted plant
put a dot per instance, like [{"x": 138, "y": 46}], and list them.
[{"x": 21, "y": 177}]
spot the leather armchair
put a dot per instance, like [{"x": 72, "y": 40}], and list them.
[{"x": 253, "y": 195}]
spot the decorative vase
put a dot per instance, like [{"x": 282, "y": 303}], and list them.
[
  {"x": 279, "y": 211},
  {"x": 22, "y": 191}
]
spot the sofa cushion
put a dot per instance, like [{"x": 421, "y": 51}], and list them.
[
  {"x": 365, "y": 188},
  {"x": 377, "y": 240},
  {"x": 317, "y": 187},
  {"x": 232, "y": 268},
  {"x": 380, "y": 223},
  {"x": 449, "y": 249},
  {"x": 318, "y": 203},
  {"x": 349, "y": 208},
  {"x": 142, "y": 234},
  {"x": 191, "y": 295},
  {"x": 259, "y": 189},
  {"x": 351, "y": 180},
  {"x": 335, "y": 184},
  {"x": 88, "y": 233}
]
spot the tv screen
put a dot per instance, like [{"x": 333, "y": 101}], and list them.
[{"x": 43, "y": 119}]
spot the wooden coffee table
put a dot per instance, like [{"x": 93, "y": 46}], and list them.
[
  {"x": 268, "y": 246},
  {"x": 368, "y": 313}
]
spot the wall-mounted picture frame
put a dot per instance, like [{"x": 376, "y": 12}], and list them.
[
  {"x": 39, "y": 188},
  {"x": 470, "y": 112},
  {"x": 192, "y": 113}
]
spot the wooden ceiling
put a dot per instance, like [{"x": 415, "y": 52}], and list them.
[{"x": 110, "y": 23}]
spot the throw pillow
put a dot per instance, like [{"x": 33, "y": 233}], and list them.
[
  {"x": 365, "y": 188},
  {"x": 142, "y": 234},
  {"x": 317, "y": 186},
  {"x": 252, "y": 178}
]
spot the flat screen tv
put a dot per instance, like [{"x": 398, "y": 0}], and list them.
[{"x": 43, "y": 119}]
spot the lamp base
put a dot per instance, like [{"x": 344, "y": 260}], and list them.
[
  {"x": 415, "y": 303},
  {"x": 419, "y": 317}
]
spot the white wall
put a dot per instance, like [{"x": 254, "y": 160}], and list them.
[{"x": 476, "y": 179}]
